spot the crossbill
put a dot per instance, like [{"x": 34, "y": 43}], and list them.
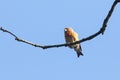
[{"x": 72, "y": 36}]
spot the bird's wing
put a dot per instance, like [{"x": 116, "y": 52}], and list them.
[{"x": 74, "y": 35}]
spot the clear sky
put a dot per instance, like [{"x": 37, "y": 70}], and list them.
[{"x": 43, "y": 22}]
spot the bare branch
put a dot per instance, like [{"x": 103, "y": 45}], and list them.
[
  {"x": 8, "y": 32},
  {"x": 101, "y": 31},
  {"x": 21, "y": 40},
  {"x": 118, "y": 0}
]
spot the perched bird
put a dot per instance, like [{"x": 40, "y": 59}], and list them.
[{"x": 72, "y": 36}]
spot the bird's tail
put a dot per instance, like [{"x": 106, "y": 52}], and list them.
[{"x": 78, "y": 51}]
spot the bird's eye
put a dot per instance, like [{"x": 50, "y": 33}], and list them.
[{"x": 65, "y": 29}]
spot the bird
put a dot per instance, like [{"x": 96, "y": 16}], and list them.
[{"x": 72, "y": 36}]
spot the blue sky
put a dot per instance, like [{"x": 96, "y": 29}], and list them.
[{"x": 43, "y": 22}]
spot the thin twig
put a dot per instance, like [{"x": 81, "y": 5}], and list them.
[
  {"x": 21, "y": 40},
  {"x": 101, "y": 31}
]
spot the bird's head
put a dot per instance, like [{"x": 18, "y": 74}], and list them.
[{"x": 68, "y": 30}]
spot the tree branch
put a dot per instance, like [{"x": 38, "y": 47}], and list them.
[{"x": 101, "y": 31}]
